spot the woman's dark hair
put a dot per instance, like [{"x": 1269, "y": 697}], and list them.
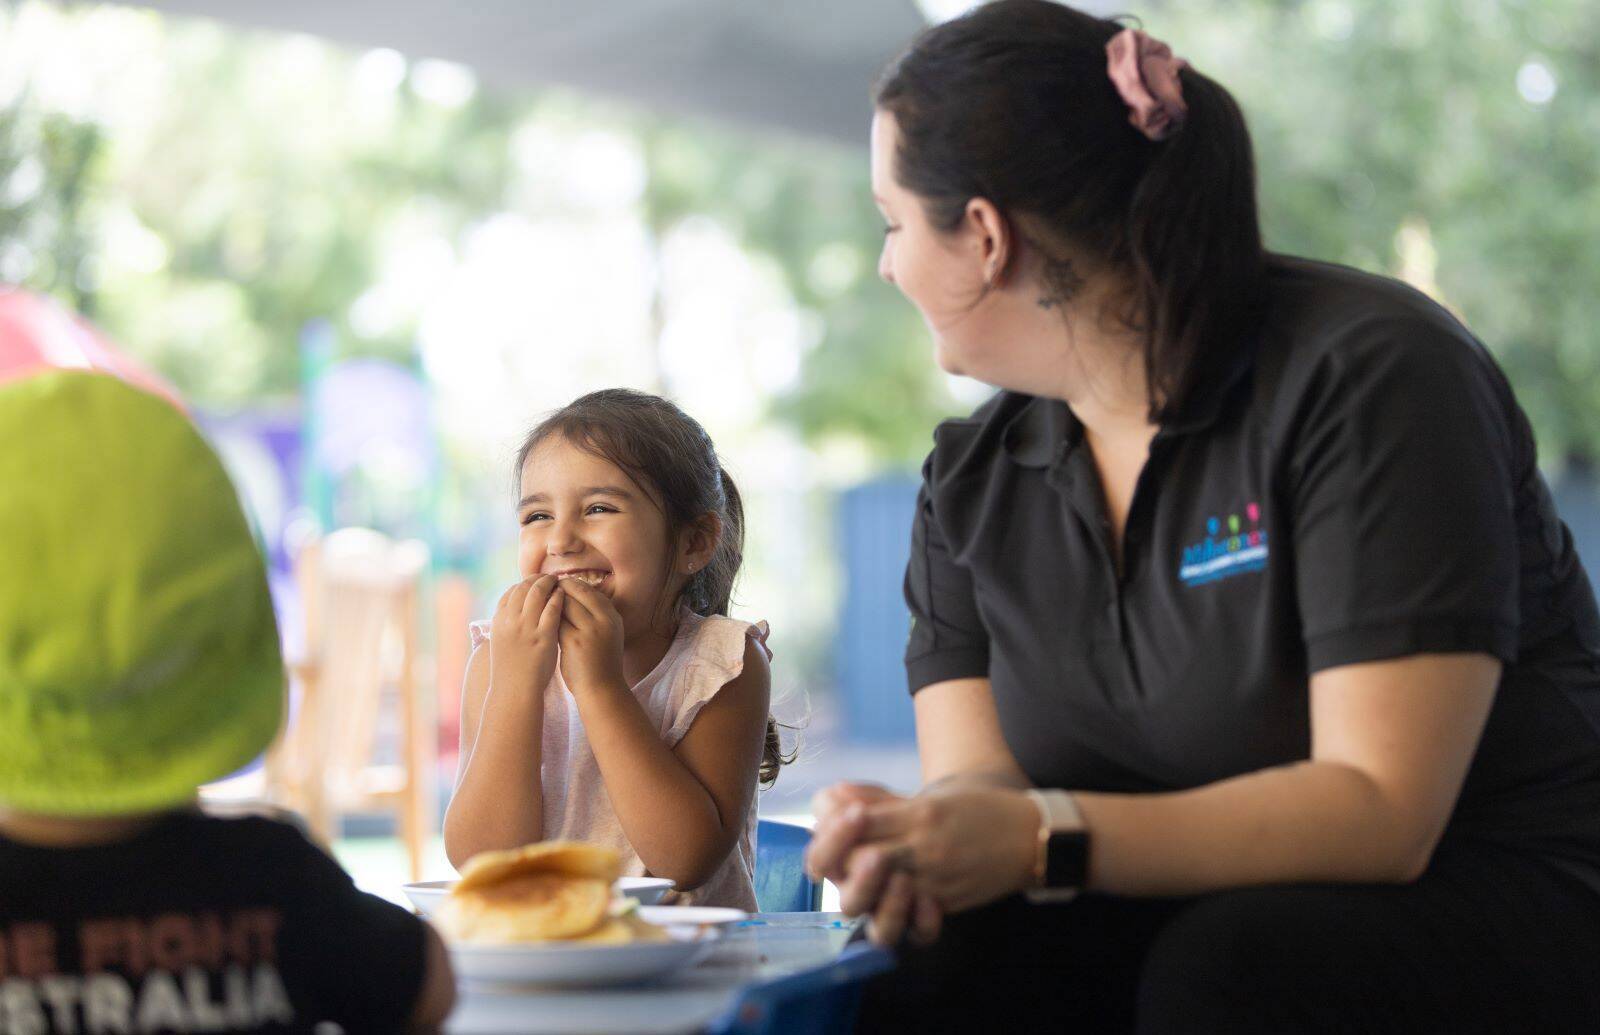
[
  {"x": 1012, "y": 102},
  {"x": 667, "y": 452}
]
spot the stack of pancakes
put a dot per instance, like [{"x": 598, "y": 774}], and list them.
[{"x": 546, "y": 892}]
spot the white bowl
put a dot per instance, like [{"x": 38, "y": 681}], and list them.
[
  {"x": 427, "y": 895},
  {"x": 578, "y": 965}
]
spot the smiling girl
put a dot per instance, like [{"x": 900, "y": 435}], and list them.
[{"x": 611, "y": 699}]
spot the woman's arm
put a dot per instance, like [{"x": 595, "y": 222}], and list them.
[
  {"x": 683, "y": 808},
  {"x": 959, "y": 739},
  {"x": 498, "y": 800},
  {"x": 1390, "y": 745}
]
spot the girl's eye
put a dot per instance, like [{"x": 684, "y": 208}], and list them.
[
  {"x": 536, "y": 515},
  {"x": 600, "y": 508},
  {"x": 889, "y": 230}
]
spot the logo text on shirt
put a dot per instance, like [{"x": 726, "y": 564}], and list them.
[{"x": 1234, "y": 545}]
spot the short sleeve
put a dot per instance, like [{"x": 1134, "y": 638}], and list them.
[
  {"x": 948, "y": 639},
  {"x": 362, "y": 958},
  {"x": 716, "y": 659},
  {"x": 1402, "y": 522}
]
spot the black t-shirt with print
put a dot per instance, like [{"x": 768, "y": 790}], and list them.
[
  {"x": 199, "y": 924},
  {"x": 1359, "y": 485}
]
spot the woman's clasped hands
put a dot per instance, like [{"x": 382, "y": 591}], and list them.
[{"x": 909, "y": 862}]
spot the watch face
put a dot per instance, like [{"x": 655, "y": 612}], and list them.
[{"x": 1066, "y": 859}]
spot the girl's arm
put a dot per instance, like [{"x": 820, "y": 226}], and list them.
[
  {"x": 682, "y": 809},
  {"x": 498, "y": 800}
]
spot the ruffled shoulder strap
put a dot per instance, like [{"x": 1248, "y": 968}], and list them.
[{"x": 712, "y": 659}]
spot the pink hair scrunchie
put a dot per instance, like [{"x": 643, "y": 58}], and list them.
[{"x": 1146, "y": 75}]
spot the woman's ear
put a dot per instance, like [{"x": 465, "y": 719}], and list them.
[
  {"x": 993, "y": 239},
  {"x": 699, "y": 544}
]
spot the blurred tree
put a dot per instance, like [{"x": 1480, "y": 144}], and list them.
[
  {"x": 262, "y": 181},
  {"x": 1455, "y": 144},
  {"x": 48, "y": 165},
  {"x": 868, "y": 375}
]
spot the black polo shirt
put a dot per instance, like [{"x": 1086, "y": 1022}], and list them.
[{"x": 1360, "y": 485}]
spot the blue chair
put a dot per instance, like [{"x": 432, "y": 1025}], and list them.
[
  {"x": 820, "y": 1001},
  {"x": 781, "y": 882}
]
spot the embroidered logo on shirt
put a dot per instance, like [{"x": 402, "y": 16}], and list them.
[{"x": 1233, "y": 545}]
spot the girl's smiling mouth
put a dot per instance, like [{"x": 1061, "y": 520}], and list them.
[{"x": 587, "y": 576}]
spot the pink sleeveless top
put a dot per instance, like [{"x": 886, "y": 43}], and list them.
[{"x": 705, "y": 656}]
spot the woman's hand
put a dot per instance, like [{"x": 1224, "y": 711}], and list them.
[
  {"x": 867, "y": 880},
  {"x": 965, "y": 848},
  {"x": 591, "y": 639},
  {"x": 524, "y": 635}
]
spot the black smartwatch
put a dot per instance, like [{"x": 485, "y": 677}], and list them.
[
  {"x": 1066, "y": 859},
  {"x": 1061, "y": 868}
]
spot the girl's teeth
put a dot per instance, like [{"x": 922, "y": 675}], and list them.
[{"x": 588, "y": 578}]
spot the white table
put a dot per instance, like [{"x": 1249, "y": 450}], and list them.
[{"x": 772, "y": 945}]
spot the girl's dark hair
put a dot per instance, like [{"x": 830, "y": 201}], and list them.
[
  {"x": 1011, "y": 102},
  {"x": 667, "y": 452}
]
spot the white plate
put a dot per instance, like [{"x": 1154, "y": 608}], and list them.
[
  {"x": 580, "y": 966},
  {"x": 427, "y": 895},
  {"x": 703, "y": 917}
]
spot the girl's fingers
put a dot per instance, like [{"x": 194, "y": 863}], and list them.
[
  {"x": 577, "y": 594},
  {"x": 539, "y": 594},
  {"x": 888, "y": 924},
  {"x": 550, "y": 617},
  {"x": 511, "y": 600}
]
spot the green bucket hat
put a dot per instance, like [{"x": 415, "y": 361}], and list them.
[{"x": 138, "y": 650}]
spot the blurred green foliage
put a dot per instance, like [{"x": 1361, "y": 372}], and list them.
[{"x": 1456, "y": 142}]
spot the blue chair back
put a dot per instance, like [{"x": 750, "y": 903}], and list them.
[
  {"x": 820, "y": 1001},
  {"x": 781, "y": 882}
]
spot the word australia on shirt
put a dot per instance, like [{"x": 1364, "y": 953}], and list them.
[{"x": 173, "y": 972}]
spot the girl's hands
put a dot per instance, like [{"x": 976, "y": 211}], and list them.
[
  {"x": 591, "y": 639},
  {"x": 524, "y": 635}
]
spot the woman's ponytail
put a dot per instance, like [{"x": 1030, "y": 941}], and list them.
[{"x": 1194, "y": 243}]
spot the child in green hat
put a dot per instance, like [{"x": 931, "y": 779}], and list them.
[{"x": 138, "y": 660}]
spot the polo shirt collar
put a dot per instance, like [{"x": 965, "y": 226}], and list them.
[
  {"x": 1039, "y": 431},
  {"x": 1043, "y": 428},
  {"x": 1206, "y": 402}
]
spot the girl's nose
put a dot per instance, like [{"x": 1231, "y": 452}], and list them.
[
  {"x": 562, "y": 539},
  {"x": 885, "y": 268}
]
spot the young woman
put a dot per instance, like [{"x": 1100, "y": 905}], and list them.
[{"x": 1241, "y": 612}]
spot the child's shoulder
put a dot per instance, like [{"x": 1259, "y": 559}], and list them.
[
  {"x": 720, "y": 645},
  {"x": 260, "y": 832}
]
